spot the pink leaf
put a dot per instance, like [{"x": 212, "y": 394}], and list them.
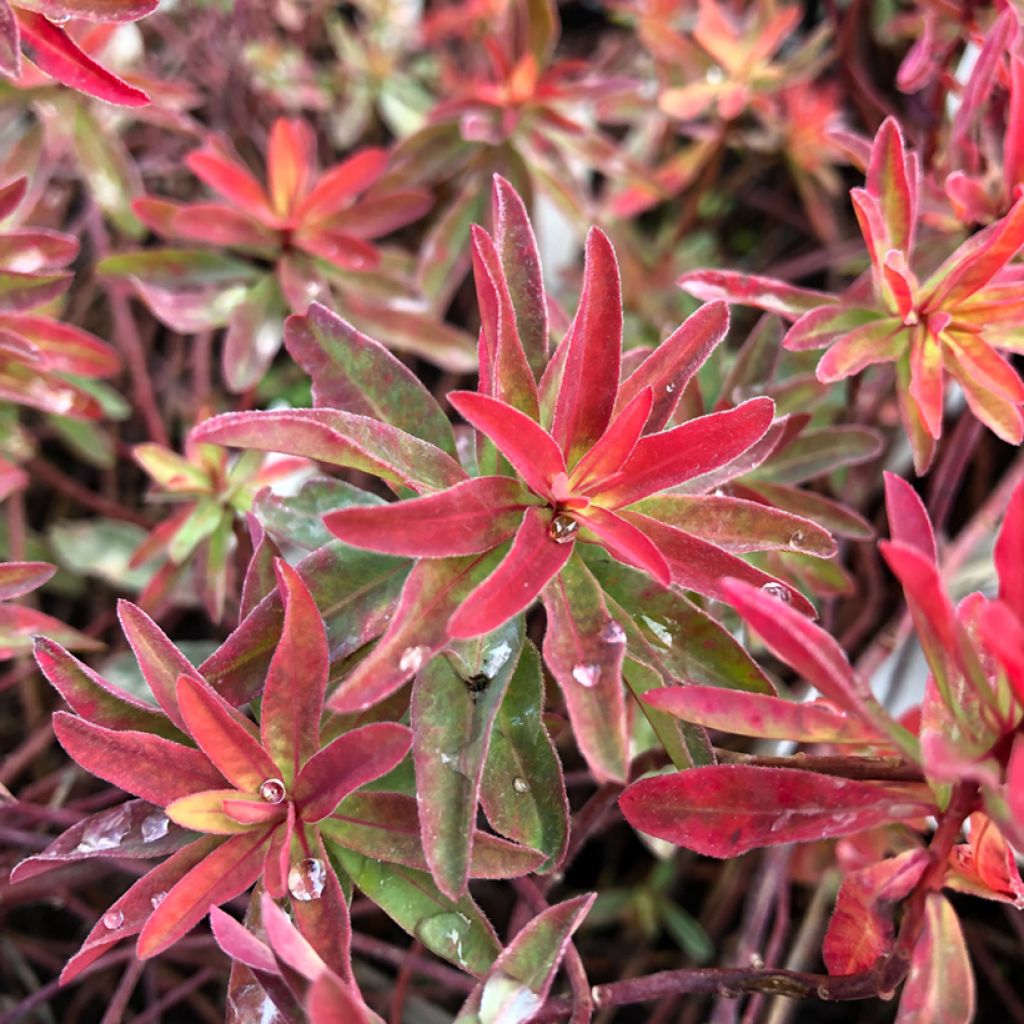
[
  {"x": 1009, "y": 554},
  {"x": 908, "y": 518},
  {"x": 765, "y": 293}
]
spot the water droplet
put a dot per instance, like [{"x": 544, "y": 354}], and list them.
[
  {"x": 719, "y": 492},
  {"x": 796, "y": 539},
  {"x": 671, "y": 387},
  {"x": 595, "y": 995},
  {"x": 887, "y": 995},
  {"x": 495, "y": 658},
  {"x": 58, "y": 19},
  {"x": 273, "y": 791},
  {"x": 445, "y": 934},
  {"x": 563, "y": 529},
  {"x": 157, "y": 898},
  {"x": 508, "y": 1000},
  {"x": 823, "y": 992},
  {"x": 306, "y": 880},
  {"x": 520, "y": 785},
  {"x": 757, "y": 961},
  {"x": 778, "y": 591},
  {"x": 106, "y": 831},
  {"x": 661, "y": 631},
  {"x": 587, "y": 675},
  {"x": 412, "y": 658},
  {"x": 113, "y": 919},
  {"x": 714, "y": 76},
  {"x": 154, "y": 826},
  {"x": 613, "y": 633}
]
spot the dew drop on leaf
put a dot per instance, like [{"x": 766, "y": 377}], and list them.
[
  {"x": 106, "y": 832},
  {"x": 306, "y": 879},
  {"x": 157, "y": 898},
  {"x": 613, "y": 633},
  {"x": 520, "y": 785},
  {"x": 563, "y": 529},
  {"x": 273, "y": 791},
  {"x": 495, "y": 658},
  {"x": 587, "y": 675},
  {"x": 412, "y": 658},
  {"x": 113, "y": 919},
  {"x": 154, "y": 826},
  {"x": 797, "y": 539},
  {"x": 778, "y": 591}
]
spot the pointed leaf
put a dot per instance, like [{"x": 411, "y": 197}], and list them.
[
  {"x": 726, "y": 810},
  {"x": 1009, "y": 554},
  {"x": 908, "y": 519},
  {"x": 765, "y": 293},
  {"x": 206, "y": 812}
]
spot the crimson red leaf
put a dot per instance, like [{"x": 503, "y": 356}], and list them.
[
  {"x": 626, "y": 542},
  {"x": 338, "y": 185},
  {"x": 1009, "y": 554},
  {"x": 615, "y": 445},
  {"x": 532, "y": 560},
  {"x": 224, "y": 174},
  {"x": 908, "y": 518},
  {"x": 293, "y": 696},
  {"x": 345, "y": 764},
  {"x": 475, "y": 515},
  {"x": 765, "y": 293},
  {"x": 149, "y": 766},
  {"x": 726, "y": 810},
  {"x": 58, "y": 55}
]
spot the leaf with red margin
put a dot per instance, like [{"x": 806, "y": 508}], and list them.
[
  {"x": 37, "y": 249},
  {"x": 516, "y": 986},
  {"x": 162, "y": 664},
  {"x": 227, "y": 738},
  {"x": 531, "y": 562},
  {"x": 452, "y": 731},
  {"x": 56, "y": 53},
  {"x": 940, "y": 986},
  {"x": 888, "y": 181},
  {"x": 223, "y": 874},
  {"x": 24, "y": 291},
  {"x": 520, "y": 260},
  {"x": 510, "y": 378},
  {"x": 726, "y": 810},
  {"x": 704, "y": 568},
  {"x": 149, "y": 766},
  {"x": 584, "y": 372},
  {"x": 418, "y": 629},
  {"x": 664, "y": 460},
  {"x": 346, "y": 764},
  {"x": 340, "y": 439},
  {"x": 861, "y": 927},
  {"x": 135, "y": 829},
  {"x": 14, "y": 191},
  {"x": 521, "y": 751},
  {"x": 757, "y": 714},
  {"x": 135, "y": 907},
  {"x": 91, "y": 696},
  {"x": 986, "y": 865},
  {"x": 584, "y": 649},
  {"x": 475, "y": 515},
  {"x": 765, "y": 293},
  {"x": 386, "y": 827},
  {"x": 908, "y": 518},
  {"x": 673, "y": 364},
  {"x": 530, "y": 449},
  {"x": 293, "y": 695},
  {"x": 17, "y": 578},
  {"x": 353, "y": 372}
]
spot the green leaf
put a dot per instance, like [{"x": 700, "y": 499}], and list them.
[
  {"x": 455, "y": 930},
  {"x": 184, "y": 269},
  {"x": 101, "y": 548},
  {"x": 522, "y": 790},
  {"x": 452, "y": 718}
]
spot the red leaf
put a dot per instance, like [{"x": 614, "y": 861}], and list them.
[
  {"x": 17, "y": 578},
  {"x": 162, "y": 664},
  {"x": 475, "y": 515},
  {"x": 1003, "y": 633},
  {"x": 664, "y": 460},
  {"x": 626, "y": 542},
  {"x": 291, "y": 151},
  {"x": 226, "y": 737},
  {"x": 224, "y": 174},
  {"x": 222, "y": 226},
  {"x": 324, "y": 922},
  {"x": 14, "y": 191},
  {"x": 765, "y": 293},
  {"x": 726, "y": 810},
  {"x": 149, "y": 766},
  {"x": 908, "y": 518},
  {"x": 614, "y": 446},
  {"x": 532, "y": 560},
  {"x": 590, "y": 354},
  {"x": 56, "y": 53},
  {"x": 888, "y": 181},
  {"x": 345, "y": 764},
  {"x": 293, "y": 696},
  {"x": 338, "y": 185},
  {"x": 1009, "y": 554},
  {"x": 239, "y": 943},
  {"x": 530, "y": 449},
  {"x": 510, "y": 378},
  {"x": 861, "y": 928},
  {"x": 940, "y": 985},
  {"x": 330, "y": 1001},
  {"x": 801, "y": 644},
  {"x": 222, "y": 875},
  {"x": 673, "y": 364}
]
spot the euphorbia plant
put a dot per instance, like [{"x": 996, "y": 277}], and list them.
[
  {"x": 966, "y": 762},
  {"x": 566, "y": 459},
  {"x": 952, "y": 321}
]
